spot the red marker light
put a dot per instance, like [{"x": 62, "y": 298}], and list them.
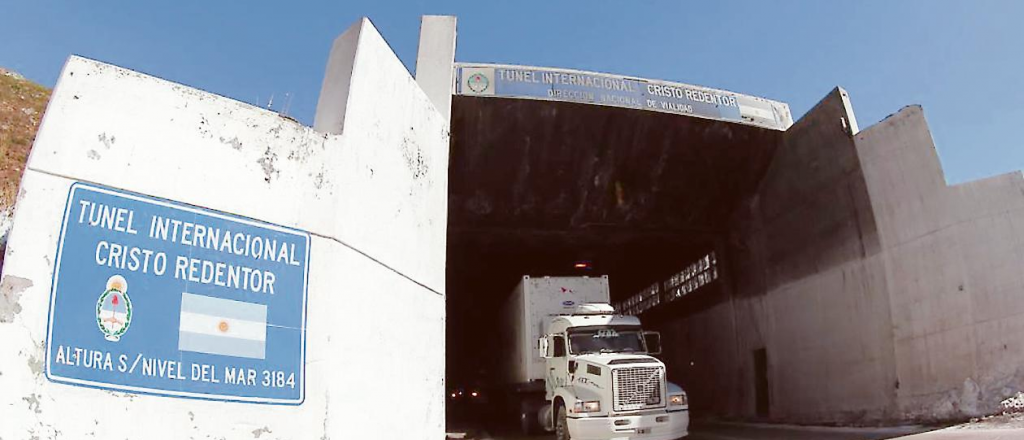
[{"x": 582, "y": 265}]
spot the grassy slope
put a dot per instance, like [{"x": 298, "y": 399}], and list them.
[{"x": 21, "y": 107}]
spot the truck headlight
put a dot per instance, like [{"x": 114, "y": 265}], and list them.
[
  {"x": 588, "y": 406},
  {"x": 677, "y": 400}
]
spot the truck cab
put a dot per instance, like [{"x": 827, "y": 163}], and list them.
[{"x": 602, "y": 382}]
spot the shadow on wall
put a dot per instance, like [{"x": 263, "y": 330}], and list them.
[
  {"x": 878, "y": 293},
  {"x": 799, "y": 329}
]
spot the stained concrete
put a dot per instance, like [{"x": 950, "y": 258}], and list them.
[
  {"x": 880, "y": 293},
  {"x": 803, "y": 282},
  {"x": 952, "y": 258},
  {"x": 370, "y": 189}
]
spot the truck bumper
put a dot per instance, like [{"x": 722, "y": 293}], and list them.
[{"x": 673, "y": 425}]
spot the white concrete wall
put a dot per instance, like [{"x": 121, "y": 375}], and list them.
[
  {"x": 880, "y": 292},
  {"x": 435, "y": 60},
  {"x": 820, "y": 302},
  {"x": 804, "y": 281},
  {"x": 373, "y": 198},
  {"x": 953, "y": 258}
]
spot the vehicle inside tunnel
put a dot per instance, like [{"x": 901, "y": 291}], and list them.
[
  {"x": 511, "y": 251},
  {"x": 544, "y": 188}
]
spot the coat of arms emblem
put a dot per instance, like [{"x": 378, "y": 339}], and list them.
[
  {"x": 478, "y": 82},
  {"x": 114, "y": 309}
]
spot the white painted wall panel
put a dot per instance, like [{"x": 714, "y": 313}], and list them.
[{"x": 373, "y": 198}]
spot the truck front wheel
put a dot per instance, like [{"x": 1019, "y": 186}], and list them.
[
  {"x": 562, "y": 425},
  {"x": 528, "y": 417}
]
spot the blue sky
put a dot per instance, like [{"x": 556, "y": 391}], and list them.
[{"x": 962, "y": 60}]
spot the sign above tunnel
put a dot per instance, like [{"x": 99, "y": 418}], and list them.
[
  {"x": 504, "y": 81},
  {"x": 159, "y": 297}
]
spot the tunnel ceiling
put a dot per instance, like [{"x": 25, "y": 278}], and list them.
[
  {"x": 536, "y": 185},
  {"x": 539, "y": 184}
]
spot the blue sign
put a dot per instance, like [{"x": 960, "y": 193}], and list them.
[
  {"x": 618, "y": 91},
  {"x": 158, "y": 297}
]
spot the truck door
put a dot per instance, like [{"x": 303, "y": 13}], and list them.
[{"x": 557, "y": 365}]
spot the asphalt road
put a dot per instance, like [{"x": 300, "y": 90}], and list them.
[
  {"x": 739, "y": 432},
  {"x": 759, "y": 432},
  {"x": 993, "y": 429}
]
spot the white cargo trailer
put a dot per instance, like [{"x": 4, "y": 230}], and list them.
[
  {"x": 573, "y": 366},
  {"x": 529, "y": 310}
]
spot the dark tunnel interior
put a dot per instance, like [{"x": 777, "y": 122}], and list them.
[{"x": 536, "y": 187}]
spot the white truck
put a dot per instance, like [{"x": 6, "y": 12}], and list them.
[{"x": 577, "y": 368}]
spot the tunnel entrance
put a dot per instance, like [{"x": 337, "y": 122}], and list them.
[{"x": 551, "y": 188}]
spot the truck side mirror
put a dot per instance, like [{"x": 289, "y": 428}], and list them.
[
  {"x": 542, "y": 347},
  {"x": 653, "y": 342}
]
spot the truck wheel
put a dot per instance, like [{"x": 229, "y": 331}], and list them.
[
  {"x": 562, "y": 425},
  {"x": 527, "y": 418}
]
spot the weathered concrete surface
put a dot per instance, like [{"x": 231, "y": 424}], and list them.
[
  {"x": 879, "y": 292},
  {"x": 803, "y": 282},
  {"x": 816, "y": 234},
  {"x": 953, "y": 258},
  {"x": 372, "y": 197}
]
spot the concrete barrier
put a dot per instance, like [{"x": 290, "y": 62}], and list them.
[{"x": 369, "y": 199}]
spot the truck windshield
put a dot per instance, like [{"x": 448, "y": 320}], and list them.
[{"x": 585, "y": 340}]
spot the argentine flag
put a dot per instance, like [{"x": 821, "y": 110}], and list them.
[{"x": 222, "y": 326}]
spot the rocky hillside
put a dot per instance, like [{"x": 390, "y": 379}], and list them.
[{"x": 21, "y": 107}]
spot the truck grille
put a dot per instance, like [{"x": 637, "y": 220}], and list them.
[{"x": 637, "y": 388}]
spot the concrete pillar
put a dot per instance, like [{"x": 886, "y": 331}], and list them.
[
  {"x": 435, "y": 60},
  {"x": 330, "y": 108}
]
